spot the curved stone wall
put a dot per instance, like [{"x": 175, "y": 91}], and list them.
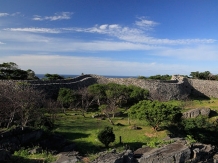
[{"x": 159, "y": 90}]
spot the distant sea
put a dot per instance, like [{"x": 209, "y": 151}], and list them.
[{"x": 40, "y": 76}]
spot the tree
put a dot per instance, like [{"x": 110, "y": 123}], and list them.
[
  {"x": 98, "y": 90},
  {"x": 20, "y": 103},
  {"x": 137, "y": 94},
  {"x": 86, "y": 99},
  {"x": 116, "y": 95},
  {"x": 201, "y": 129},
  {"x": 155, "y": 113},
  {"x": 106, "y": 136},
  {"x": 11, "y": 70},
  {"x": 53, "y": 76},
  {"x": 106, "y": 110},
  {"x": 66, "y": 96}
]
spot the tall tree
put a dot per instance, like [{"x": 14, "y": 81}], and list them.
[{"x": 66, "y": 96}]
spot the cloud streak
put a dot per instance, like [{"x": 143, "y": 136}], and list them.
[
  {"x": 34, "y": 30},
  {"x": 4, "y": 14},
  {"x": 136, "y": 35},
  {"x": 57, "y": 16}
]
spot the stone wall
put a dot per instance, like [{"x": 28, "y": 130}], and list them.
[
  {"x": 177, "y": 89},
  {"x": 206, "y": 87}
]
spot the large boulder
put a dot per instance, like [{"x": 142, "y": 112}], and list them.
[
  {"x": 114, "y": 157},
  {"x": 196, "y": 112},
  {"x": 178, "y": 152}
]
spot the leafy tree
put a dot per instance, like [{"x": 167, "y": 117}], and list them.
[
  {"x": 201, "y": 129},
  {"x": 98, "y": 90},
  {"x": 53, "y": 76},
  {"x": 116, "y": 95},
  {"x": 155, "y": 113},
  {"x": 161, "y": 77},
  {"x": 106, "y": 110},
  {"x": 66, "y": 96},
  {"x": 85, "y": 99},
  {"x": 11, "y": 70},
  {"x": 137, "y": 94},
  {"x": 106, "y": 136},
  {"x": 201, "y": 75}
]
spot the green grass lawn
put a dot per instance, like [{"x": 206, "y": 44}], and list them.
[{"x": 83, "y": 131}]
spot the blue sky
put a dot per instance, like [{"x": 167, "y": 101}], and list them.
[{"x": 110, "y": 37}]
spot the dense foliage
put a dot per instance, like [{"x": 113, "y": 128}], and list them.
[
  {"x": 156, "y": 77},
  {"x": 155, "y": 113},
  {"x": 201, "y": 129},
  {"x": 106, "y": 136},
  {"x": 52, "y": 77},
  {"x": 10, "y": 70}
]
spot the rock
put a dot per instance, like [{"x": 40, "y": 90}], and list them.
[
  {"x": 177, "y": 152},
  {"x": 68, "y": 157},
  {"x": 139, "y": 152},
  {"x": 108, "y": 157},
  {"x": 4, "y": 155},
  {"x": 35, "y": 150},
  {"x": 215, "y": 158},
  {"x": 202, "y": 152},
  {"x": 196, "y": 112}
]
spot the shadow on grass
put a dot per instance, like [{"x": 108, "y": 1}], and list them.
[
  {"x": 19, "y": 159},
  {"x": 73, "y": 135},
  {"x": 213, "y": 113},
  {"x": 132, "y": 146}
]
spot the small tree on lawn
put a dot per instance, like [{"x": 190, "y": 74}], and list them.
[
  {"x": 155, "y": 113},
  {"x": 106, "y": 136}
]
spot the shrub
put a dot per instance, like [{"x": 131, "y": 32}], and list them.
[{"x": 106, "y": 136}]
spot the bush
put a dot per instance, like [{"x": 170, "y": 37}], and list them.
[{"x": 106, "y": 136}]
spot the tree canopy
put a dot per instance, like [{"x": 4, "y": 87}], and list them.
[
  {"x": 10, "y": 70},
  {"x": 53, "y": 76},
  {"x": 154, "y": 113}
]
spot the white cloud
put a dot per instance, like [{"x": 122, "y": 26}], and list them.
[
  {"x": 136, "y": 35},
  {"x": 57, "y": 16},
  {"x": 34, "y": 30},
  {"x": 145, "y": 24},
  {"x": 91, "y": 65},
  {"x": 4, "y": 14},
  {"x": 1, "y": 43}
]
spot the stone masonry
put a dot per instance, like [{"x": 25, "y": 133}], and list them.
[{"x": 178, "y": 88}]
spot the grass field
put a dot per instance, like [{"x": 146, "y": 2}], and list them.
[{"x": 83, "y": 131}]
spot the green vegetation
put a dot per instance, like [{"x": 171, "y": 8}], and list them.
[
  {"x": 106, "y": 136},
  {"x": 52, "y": 77},
  {"x": 157, "y": 77},
  {"x": 23, "y": 156},
  {"x": 134, "y": 121},
  {"x": 10, "y": 70},
  {"x": 155, "y": 113}
]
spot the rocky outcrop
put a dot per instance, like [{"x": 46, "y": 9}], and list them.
[
  {"x": 113, "y": 157},
  {"x": 178, "y": 152},
  {"x": 196, "y": 112}
]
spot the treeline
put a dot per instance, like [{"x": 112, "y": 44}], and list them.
[
  {"x": 206, "y": 75},
  {"x": 106, "y": 98}
]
